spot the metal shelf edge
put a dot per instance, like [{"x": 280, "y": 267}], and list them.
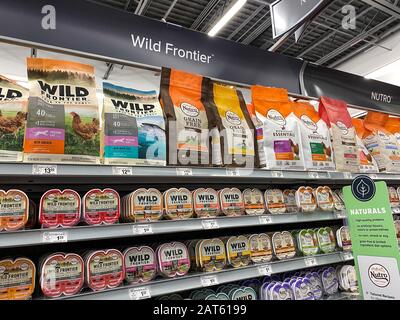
[{"x": 191, "y": 282}]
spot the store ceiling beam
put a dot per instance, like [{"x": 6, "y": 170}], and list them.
[
  {"x": 171, "y": 7},
  {"x": 245, "y": 22},
  {"x": 258, "y": 31},
  {"x": 203, "y": 15},
  {"x": 354, "y": 41},
  {"x": 364, "y": 47},
  {"x": 385, "y": 6},
  {"x": 326, "y": 37}
]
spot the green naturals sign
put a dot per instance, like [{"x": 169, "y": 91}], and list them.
[{"x": 374, "y": 240}]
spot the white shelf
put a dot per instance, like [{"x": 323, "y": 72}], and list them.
[
  {"x": 191, "y": 282},
  {"x": 23, "y": 173},
  {"x": 76, "y": 234}
]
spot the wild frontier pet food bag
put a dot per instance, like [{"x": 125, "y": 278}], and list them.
[
  {"x": 236, "y": 129},
  {"x": 282, "y": 144},
  {"x": 63, "y": 115},
  {"x": 315, "y": 137},
  {"x": 134, "y": 127},
  {"x": 189, "y": 118},
  {"x": 381, "y": 143},
  {"x": 13, "y": 107},
  {"x": 343, "y": 134}
]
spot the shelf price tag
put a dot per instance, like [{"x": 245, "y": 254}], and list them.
[
  {"x": 265, "y": 219},
  {"x": 139, "y": 293},
  {"x": 210, "y": 224},
  {"x": 265, "y": 270},
  {"x": 310, "y": 262},
  {"x": 348, "y": 175},
  {"x": 233, "y": 172},
  {"x": 208, "y": 281},
  {"x": 341, "y": 215},
  {"x": 122, "y": 171},
  {"x": 347, "y": 256},
  {"x": 373, "y": 176},
  {"x": 184, "y": 172},
  {"x": 44, "y": 169},
  {"x": 277, "y": 174},
  {"x": 313, "y": 175},
  {"x": 55, "y": 237},
  {"x": 141, "y": 229}
]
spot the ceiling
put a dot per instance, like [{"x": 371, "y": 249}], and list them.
[{"x": 324, "y": 42}]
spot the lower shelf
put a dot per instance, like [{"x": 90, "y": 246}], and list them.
[{"x": 191, "y": 282}]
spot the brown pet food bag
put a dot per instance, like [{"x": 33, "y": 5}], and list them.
[{"x": 189, "y": 118}]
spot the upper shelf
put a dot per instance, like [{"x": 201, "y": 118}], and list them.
[{"x": 24, "y": 173}]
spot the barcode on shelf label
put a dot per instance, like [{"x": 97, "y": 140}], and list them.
[
  {"x": 210, "y": 224},
  {"x": 265, "y": 270},
  {"x": 348, "y": 175},
  {"x": 55, "y": 237},
  {"x": 265, "y": 219},
  {"x": 122, "y": 171},
  {"x": 310, "y": 262},
  {"x": 139, "y": 293},
  {"x": 208, "y": 281},
  {"x": 277, "y": 174},
  {"x": 373, "y": 176},
  {"x": 341, "y": 215},
  {"x": 347, "y": 256},
  {"x": 184, "y": 172},
  {"x": 44, "y": 169},
  {"x": 233, "y": 172},
  {"x": 313, "y": 175},
  {"x": 142, "y": 229}
]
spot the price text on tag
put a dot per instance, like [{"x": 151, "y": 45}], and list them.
[
  {"x": 277, "y": 174},
  {"x": 139, "y": 293},
  {"x": 122, "y": 171},
  {"x": 348, "y": 256},
  {"x": 265, "y": 270},
  {"x": 233, "y": 172},
  {"x": 207, "y": 281},
  {"x": 310, "y": 262},
  {"x": 54, "y": 237},
  {"x": 184, "y": 172},
  {"x": 44, "y": 169},
  {"x": 142, "y": 229},
  {"x": 313, "y": 175},
  {"x": 265, "y": 219},
  {"x": 210, "y": 224}
]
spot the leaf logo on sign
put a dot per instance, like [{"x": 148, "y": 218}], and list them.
[{"x": 363, "y": 188}]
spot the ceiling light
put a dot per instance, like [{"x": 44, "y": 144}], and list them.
[{"x": 228, "y": 16}]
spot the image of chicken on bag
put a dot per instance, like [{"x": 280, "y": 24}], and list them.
[
  {"x": 134, "y": 127},
  {"x": 13, "y": 106},
  {"x": 63, "y": 116}
]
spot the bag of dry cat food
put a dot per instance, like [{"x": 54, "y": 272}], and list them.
[
  {"x": 315, "y": 137},
  {"x": 63, "y": 114},
  {"x": 381, "y": 143},
  {"x": 13, "y": 107},
  {"x": 393, "y": 126},
  {"x": 236, "y": 129},
  {"x": 189, "y": 118},
  {"x": 282, "y": 145},
  {"x": 343, "y": 134},
  {"x": 259, "y": 134},
  {"x": 367, "y": 162},
  {"x": 134, "y": 127}
]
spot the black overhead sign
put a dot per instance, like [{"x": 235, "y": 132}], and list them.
[
  {"x": 118, "y": 35},
  {"x": 288, "y": 14},
  {"x": 319, "y": 81}
]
